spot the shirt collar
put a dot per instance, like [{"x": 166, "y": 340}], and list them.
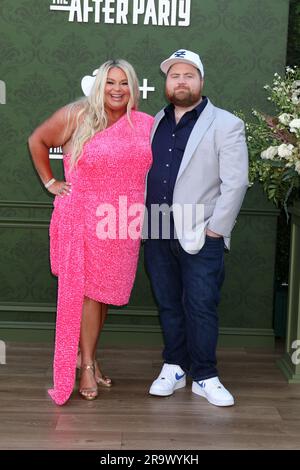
[{"x": 197, "y": 110}]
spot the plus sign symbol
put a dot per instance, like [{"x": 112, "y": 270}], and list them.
[{"x": 145, "y": 88}]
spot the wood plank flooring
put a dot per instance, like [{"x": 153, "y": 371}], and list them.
[{"x": 125, "y": 417}]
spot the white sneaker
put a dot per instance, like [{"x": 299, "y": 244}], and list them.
[
  {"x": 213, "y": 391},
  {"x": 170, "y": 379}
]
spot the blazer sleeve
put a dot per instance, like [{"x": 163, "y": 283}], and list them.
[{"x": 233, "y": 167}]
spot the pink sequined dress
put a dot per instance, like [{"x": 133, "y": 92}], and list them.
[{"x": 90, "y": 251}]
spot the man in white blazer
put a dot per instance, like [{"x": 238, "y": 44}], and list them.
[{"x": 195, "y": 190}]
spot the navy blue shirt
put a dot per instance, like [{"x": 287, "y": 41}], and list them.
[{"x": 168, "y": 147}]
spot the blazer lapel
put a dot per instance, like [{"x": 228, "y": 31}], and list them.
[{"x": 203, "y": 123}]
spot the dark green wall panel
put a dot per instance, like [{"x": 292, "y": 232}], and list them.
[{"x": 43, "y": 58}]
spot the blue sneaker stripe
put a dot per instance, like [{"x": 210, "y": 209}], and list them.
[{"x": 178, "y": 377}]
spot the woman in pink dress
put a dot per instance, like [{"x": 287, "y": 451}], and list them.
[{"x": 95, "y": 229}]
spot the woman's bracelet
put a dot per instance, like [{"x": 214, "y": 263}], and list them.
[{"x": 48, "y": 184}]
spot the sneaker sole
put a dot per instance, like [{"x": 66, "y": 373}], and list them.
[
  {"x": 164, "y": 393},
  {"x": 197, "y": 391}
]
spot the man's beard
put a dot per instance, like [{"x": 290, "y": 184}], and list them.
[{"x": 183, "y": 99}]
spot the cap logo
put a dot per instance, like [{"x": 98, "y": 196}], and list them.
[{"x": 180, "y": 54}]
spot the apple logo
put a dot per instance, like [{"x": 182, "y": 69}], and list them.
[{"x": 87, "y": 83}]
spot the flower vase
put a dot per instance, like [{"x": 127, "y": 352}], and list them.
[{"x": 290, "y": 362}]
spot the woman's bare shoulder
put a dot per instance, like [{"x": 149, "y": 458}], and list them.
[{"x": 73, "y": 110}]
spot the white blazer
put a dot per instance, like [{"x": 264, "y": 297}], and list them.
[{"x": 213, "y": 176}]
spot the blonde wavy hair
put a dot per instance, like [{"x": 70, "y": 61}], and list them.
[{"x": 91, "y": 116}]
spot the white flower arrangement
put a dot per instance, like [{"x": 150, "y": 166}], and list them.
[{"x": 274, "y": 141}]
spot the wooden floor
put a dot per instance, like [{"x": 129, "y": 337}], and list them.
[{"x": 266, "y": 415}]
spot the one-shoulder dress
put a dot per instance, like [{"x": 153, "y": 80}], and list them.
[{"x": 95, "y": 233}]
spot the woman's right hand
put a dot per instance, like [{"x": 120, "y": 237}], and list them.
[{"x": 60, "y": 188}]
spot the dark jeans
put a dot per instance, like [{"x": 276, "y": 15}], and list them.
[{"x": 187, "y": 290}]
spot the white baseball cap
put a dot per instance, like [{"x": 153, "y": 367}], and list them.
[{"x": 182, "y": 55}]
